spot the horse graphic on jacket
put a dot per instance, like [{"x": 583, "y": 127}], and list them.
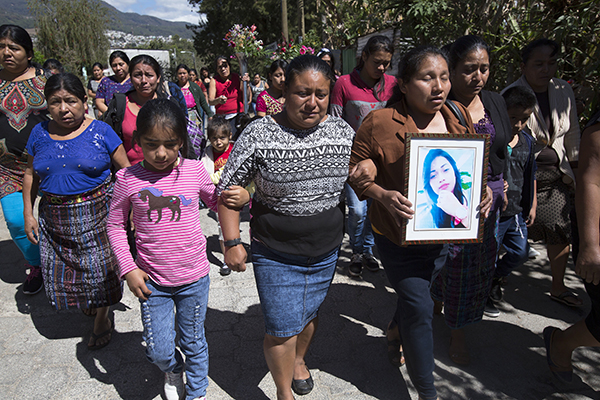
[{"x": 156, "y": 201}]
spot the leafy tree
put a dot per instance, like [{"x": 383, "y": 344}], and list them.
[
  {"x": 72, "y": 31},
  {"x": 221, "y": 15},
  {"x": 507, "y": 27}
]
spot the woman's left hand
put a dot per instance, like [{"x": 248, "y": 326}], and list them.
[
  {"x": 363, "y": 174},
  {"x": 235, "y": 197},
  {"x": 486, "y": 204},
  {"x": 235, "y": 258}
]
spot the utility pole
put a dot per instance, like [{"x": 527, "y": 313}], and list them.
[
  {"x": 301, "y": 27},
  {"x": 284, "y": 20}
]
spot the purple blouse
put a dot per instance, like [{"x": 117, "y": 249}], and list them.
[
  {"x": 108, "y": 87},
  {"x": 495, "y": 182}
]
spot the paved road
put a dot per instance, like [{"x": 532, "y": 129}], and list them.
[{"x": 43, "y": 353}]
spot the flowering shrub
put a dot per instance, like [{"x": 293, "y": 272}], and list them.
[
  {"x": 244, "y": 40},
  {"x": 289, "y": 50}
]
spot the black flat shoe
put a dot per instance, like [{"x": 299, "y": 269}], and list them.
[{"x": 303, "y": 386}]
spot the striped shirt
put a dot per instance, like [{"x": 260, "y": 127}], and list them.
[
  {"x": 352, "y": 99},
  {"x": 170, "y": 244}
]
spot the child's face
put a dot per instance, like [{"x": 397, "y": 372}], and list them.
[
  {"x": 518, "y": 118},
  {"x": 161, "y": 148},
  {"x": 220, "y": 140}
]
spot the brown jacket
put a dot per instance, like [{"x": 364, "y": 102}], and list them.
[{"x": 381, "y": 138}]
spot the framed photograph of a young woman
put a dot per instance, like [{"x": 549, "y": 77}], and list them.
[{"x": 446, "y": 175}]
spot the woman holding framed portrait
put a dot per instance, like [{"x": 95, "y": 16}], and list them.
[
  {"x": 465, "y": 282},
  {"x": 419, "y": 105}
]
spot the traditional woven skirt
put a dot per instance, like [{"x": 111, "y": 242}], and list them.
[
  {"x": 555, "y": 201},
  {"x": 78, "y": 266},
  {"x": 465, "y": 281}
]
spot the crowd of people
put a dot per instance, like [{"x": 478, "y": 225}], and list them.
[{"x": 121, "y": 192}]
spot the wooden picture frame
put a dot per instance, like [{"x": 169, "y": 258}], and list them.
[{"x": 445, "y": 180}]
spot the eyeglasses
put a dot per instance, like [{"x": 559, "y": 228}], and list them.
[{"x": 223, "y": 66}]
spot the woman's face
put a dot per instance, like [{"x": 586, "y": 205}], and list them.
[
  {"x": 144, "y": 80},
  {"x": 306, "y": 99},
  {"x": 223, "y": 69},
  {"x": 540, "y": 68},
  {"x": 377, "y": 63},
  {"x": 256, "y": 79},
  {"x": 471, "y": 74},
  {"x": 193, "y": 76},
  {"x": 67, "y": 110},
  {"x": 441, "y": 177},
  {"x": 120, "y": 68},
  {"x": 426, "y": 91},
  {"x": 277, "y": 79},
  {"x": 14, "y": 57},
  {"x": 204, "y": 74},
  {"x": 327, "y": 59},
  {"x": 97, "y": 72},
  {"x": 183, "y": 76}
]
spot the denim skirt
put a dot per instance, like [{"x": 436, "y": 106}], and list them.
[{"x": 291, "y": 288}]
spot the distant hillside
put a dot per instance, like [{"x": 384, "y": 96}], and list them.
[{"x": 16, "y": 12}]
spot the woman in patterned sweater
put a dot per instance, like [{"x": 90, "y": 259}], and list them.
[
  {"x": 22, "y": 106},
  {"x": 298, "y": 160}
]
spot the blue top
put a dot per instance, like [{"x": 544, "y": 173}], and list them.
[{"x": 72, "y": 166}]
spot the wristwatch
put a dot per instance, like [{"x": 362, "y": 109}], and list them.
[{"x": 233, "y": 242}]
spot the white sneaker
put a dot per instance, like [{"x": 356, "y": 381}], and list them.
[
  {"x": 174, "y": 387},
  {"x": 533, "y": 253}
]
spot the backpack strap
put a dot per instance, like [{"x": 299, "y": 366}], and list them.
[
  {"x": 114, "y": 115},
  {"x": 456, "y": 111}
]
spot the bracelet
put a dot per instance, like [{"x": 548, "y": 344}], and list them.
[{"x": 233, "y": 242}]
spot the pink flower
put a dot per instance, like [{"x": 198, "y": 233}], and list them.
[{"x": 252, "y": 28}]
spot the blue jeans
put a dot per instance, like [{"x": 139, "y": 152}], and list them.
[
  {"x": 512, "y": 233},
  {"x": 358, "y": 224},
  {"x": 159, "y": 319},
  {"x": 410, "y": 271},
  {"x": 12, "y": 208}
]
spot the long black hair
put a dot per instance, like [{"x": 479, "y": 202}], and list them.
[
  {"x": 440, "y": 218},
  {"x": 67, "y": 81},
  {"x": 526, "y": 52},
  {"x": 118, "y": 54},
  {"x": 305, "y": 63},
  {"x": 374, "y": 44},
  {"x": 463, "y": 46},
  {"x": 19, "y": 36},
  {"x": 276, "y": 65},
  {"x": 409, "y": 66},
  {"x": 151, "y": 61},
  {"x": 166, "y": 115}
]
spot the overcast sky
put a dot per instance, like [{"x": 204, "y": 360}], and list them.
[{"x": 171, "y": 10}]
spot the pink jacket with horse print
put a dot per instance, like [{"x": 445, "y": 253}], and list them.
[{"x": 170, "y": 244}]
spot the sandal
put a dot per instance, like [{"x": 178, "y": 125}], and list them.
[
  {"x": 567, "y": 294},
  {"x": 395, "y": 355},
  {"x": 564, "y": 376},
  {"x": 460, "y": 358},
  {"x": 95, "y": 337}
]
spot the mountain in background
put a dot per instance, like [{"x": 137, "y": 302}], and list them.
[{"x": 16, "y": 12}]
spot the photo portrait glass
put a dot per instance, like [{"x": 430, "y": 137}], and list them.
[{"x": 444, "y": 183}]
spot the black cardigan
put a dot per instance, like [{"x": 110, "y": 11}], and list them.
[{"x": 495, "y": 105}]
